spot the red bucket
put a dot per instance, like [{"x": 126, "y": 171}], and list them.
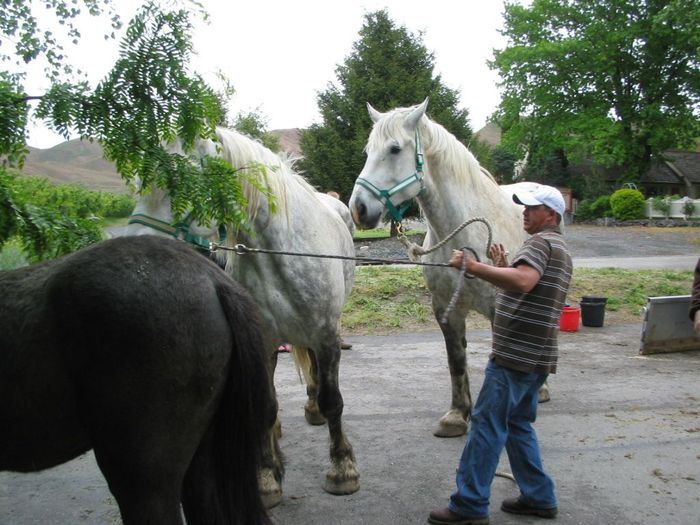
[{"x": 570, "y": 319}]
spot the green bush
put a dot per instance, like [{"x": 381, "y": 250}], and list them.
[
  {"x": 601, "y": 206},
  {"x": 661, "y": 204},
  {"x": 596, "y": 209},
  {"x": 583, "y": 210},
  {"x": 689, "y": 208},
  {"x": 627, "y": 204},
  {"x": 47, "y": 220}
]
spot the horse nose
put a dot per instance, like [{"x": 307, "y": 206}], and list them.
[{"x": 358, "y": 211}]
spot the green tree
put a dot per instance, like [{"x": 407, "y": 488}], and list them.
[
  {"x": 388, "y": 67},
  {"x": 612, "y": 80},
  {"x": 148, "y": 98},
  {"x": 254, "y": 124},
  {"x": 503, "y": 165}
]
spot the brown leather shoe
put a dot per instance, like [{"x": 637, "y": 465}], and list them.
[
  {"x": 517, "y": 506},
  {"x": 447, "y": 517}
]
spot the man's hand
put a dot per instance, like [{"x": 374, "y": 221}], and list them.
[
  {"x": 498, "y": 255},
  {"x": 457, "y": 259},
  {"x": 521, "y": 278}
]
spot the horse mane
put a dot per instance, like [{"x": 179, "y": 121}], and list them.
[
  {"x": 439, "y": 145},
  {"x": 268, "y": 168}
]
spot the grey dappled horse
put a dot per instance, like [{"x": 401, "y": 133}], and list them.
[{"x": 301, "y": 298}]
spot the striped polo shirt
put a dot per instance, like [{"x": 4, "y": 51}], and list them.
[{"x": 526, "y": 325}]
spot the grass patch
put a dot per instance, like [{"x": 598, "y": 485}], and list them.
[
  {"x": 380, "y": 233},
  {"x": 111, "y": 222},
  {"x": 389, "y": 299},
  {"x": 627, "y": 290}
]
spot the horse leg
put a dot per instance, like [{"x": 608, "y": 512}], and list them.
[
  {"x": 199, "y": 490},
  {"x": 543, "y": 393},
  {"x": 343, "y": 476},
  {"x": 454, "y": 422},
  {"x": 306, "y": 362},
  {"x": 147, "y": 489},
  {"x": 272, "y": 465}
]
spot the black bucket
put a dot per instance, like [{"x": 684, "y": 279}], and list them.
[{"x": 593, "y": 310}]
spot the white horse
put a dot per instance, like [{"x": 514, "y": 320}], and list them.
[
  {"x": 409, "y": 156},
  {"x": 301, "y": 298}
]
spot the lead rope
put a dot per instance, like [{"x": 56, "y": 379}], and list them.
[{"x": 416, "y": 251}]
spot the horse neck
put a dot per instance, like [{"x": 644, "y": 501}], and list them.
[{"x": 446, "y": 202}]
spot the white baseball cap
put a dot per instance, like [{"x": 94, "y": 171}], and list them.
[{"x": 547, "y": 195}]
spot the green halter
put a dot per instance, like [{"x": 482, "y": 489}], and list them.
[{"x": 179, "y": 230}]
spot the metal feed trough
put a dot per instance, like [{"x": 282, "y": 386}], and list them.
[{"x": 667, "y": 326}]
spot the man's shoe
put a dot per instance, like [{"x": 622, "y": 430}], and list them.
[
  {"x": 447, "y": 517},
  {"x": 517, "y": 506}
]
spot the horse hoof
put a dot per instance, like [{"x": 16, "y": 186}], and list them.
[
  {"x": 314, "y": 417},
  {"x": 270, "y": 488},
  {"x": 271, "y": 500},
  {"x": 341, "y": 487},
  {"x": 451, "y": 425}
]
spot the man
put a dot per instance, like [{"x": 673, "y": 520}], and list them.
[
  {"x": 524, "y": 352},
  {"x": 695, "y": 300}
]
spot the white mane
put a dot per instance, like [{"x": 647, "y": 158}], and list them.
[{"x": 277, "y": 170}]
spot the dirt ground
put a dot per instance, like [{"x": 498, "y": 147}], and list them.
[{"x": 621, "y": 436}]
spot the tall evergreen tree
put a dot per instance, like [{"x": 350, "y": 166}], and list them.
[{"x": 388, "y": 67}]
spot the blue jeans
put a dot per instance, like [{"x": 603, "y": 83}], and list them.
[{"x": 502, "y": 417}]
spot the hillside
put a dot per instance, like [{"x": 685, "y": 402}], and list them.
[
  {"x": 75, "y": 162},
  {"x": 82, "y": 162}
]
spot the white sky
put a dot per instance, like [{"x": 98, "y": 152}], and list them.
[{"x": 279, "y": 54}]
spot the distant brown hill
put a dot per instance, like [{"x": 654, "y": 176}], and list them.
[
  {"x": 289, "y": 140},
  {"x": 82, "y": 162},
  {"x": 75, "y": 162}
]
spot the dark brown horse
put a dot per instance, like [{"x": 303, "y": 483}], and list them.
[{"x": 144, "y": 351}]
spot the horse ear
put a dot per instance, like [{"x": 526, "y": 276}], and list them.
[
  {"x": 373, "y": 113},
  {"x": 416, "y": 114}
]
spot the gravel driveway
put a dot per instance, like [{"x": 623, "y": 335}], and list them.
[{"x": 585, "y": 241}]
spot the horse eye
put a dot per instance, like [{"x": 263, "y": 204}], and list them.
[{"x": 395, "y": 149}]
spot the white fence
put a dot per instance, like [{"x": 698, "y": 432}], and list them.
[{"x": 677, "y": 209}]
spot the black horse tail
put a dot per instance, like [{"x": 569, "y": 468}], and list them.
[{"x": 248, "y": 409}]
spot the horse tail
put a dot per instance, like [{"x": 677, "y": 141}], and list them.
[
  {"x": 247, "y": 411},
  {"x": 302, "y": 362}
]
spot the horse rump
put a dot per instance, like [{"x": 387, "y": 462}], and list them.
[
  {"x": 144, "y": 351},
  {"x": 229, "y": 460}
]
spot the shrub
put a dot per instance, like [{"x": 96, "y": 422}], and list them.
[
  {"x": 661, "y": 204},
  {"x": 627, "y": 204},
  {"x": 583, "y": 210},
  {"x": 688, "y": 208},
  {"x": 601, "y": 207}
]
